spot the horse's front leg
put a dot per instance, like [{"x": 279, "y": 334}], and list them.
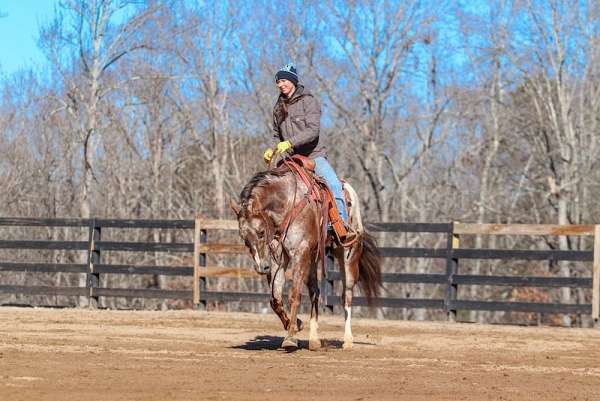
[
  {"x": 301, "y": 263},
  {"x": 277, "y": 283}
]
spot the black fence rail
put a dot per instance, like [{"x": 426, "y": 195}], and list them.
[
  {"x": 93, "y": 267},
  {"x": 452, "y": 253}
]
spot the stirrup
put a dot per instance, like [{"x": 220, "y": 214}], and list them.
[
  {"x": 349, "y": 239},
  {"x": 334, "y": 233}
]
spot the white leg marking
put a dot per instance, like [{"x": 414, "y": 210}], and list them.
[
  {"x": 314, "y": 329},
  {"x": 348, "y": 339},
  {"x": 314, "y": 342}
]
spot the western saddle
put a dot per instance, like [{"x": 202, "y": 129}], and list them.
[{"x": 320, "y": 194}]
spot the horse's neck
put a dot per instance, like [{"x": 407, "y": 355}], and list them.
[{"x": 277, "y": 197}]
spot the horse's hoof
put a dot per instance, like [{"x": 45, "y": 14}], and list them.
[
  {"x": 300, "y": 325},
  {"x": 314, "y": 345},
  {"x": 290, "y": 343},
  {"x": 348, "y": 345}
]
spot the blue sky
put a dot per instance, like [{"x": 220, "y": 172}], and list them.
[{"x": 19, "y": 30}]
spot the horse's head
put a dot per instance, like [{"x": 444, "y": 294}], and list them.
[{"x": 256, "y": 234}]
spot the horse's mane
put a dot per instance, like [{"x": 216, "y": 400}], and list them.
[{"x": 260, "y": 179}]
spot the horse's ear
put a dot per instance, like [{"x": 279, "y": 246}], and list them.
[{"x": 235, "y": 207}]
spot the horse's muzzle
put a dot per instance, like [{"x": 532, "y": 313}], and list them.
[{"x": 264, "y": 269}]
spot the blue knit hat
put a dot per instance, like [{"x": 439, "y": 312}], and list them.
[{"x": 287, "y": 72}]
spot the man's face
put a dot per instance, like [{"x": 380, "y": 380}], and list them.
[{"x": 286, "y": 87}]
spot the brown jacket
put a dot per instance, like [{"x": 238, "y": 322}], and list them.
[{"x": 299, "y": 121}]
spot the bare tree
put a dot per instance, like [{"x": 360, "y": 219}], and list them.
[
  {"x": 366, "y": 88},
  {"x": 82, "y": 43},
  {"x": 558, "y": 62}
]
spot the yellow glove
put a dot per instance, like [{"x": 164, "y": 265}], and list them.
[
  {"x": 268, "y": 155},
  {"x": 284, "y": 146}
]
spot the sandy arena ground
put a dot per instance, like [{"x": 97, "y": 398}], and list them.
[{"x": 74, "y": 354}]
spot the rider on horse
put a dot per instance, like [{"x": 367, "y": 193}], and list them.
[
  {"x": 284, "y": 224},
  {"x": 296, "y": 127}
]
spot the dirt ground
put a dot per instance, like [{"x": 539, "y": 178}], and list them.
[{"x": 77, "y": 354}]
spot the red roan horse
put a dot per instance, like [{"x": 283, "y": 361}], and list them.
[{"x": 268, "y": 200}]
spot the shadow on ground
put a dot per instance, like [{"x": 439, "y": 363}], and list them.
[{"x": 273, "y": 343}]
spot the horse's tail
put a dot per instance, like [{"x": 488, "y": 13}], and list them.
[
  {"x": 369, "y": 264},
  {"x": 369, "y": 268}
]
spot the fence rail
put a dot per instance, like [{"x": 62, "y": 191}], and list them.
[{"x": 452, "y": 253}]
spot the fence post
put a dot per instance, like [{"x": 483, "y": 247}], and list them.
[
  {"x": 327, "y": 288},
  {"x": 596, "y": 277},
  {"x": 453, "y": 242},
  {"x": 93, "y": 278},
  {"x": 200, "y": 238}
]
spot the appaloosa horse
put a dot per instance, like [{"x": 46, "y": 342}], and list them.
[{"x": 281, "y": 226}]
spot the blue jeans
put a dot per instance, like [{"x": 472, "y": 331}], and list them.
[{"x": 324, "y": 169}]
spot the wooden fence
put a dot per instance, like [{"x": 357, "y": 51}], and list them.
[{"x": 452, "y": 253}]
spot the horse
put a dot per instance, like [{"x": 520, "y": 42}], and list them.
[{"x": 282, "y": 228}]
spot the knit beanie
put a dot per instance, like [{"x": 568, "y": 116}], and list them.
[{"x": 287, "y": 72}]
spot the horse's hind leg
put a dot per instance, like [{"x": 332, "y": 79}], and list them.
[
  {"x": 314, "y": 342},
  {"x": 348, "y": 261}
]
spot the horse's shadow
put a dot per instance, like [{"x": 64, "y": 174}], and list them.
[{"x": 273, "y": 343}]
